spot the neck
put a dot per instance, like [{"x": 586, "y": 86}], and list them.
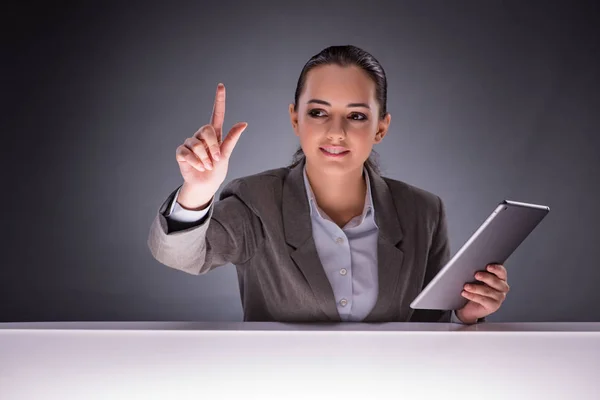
[{"x": 338, "y": 194}]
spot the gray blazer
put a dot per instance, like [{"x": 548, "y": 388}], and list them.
[{"x": 262, "y": 224}]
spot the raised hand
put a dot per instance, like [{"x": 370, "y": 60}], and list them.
[{"x": 204, "y": 158}]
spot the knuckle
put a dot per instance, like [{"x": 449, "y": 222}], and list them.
[
  {"x": 195, "y": 145},
  {"x": 184, "y": 153},
  {"x": 198, "y": 133},
  {"x": 206, "y": 130},
  {"x": 190, "y": 142}
]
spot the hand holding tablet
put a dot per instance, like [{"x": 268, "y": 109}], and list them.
[{"x": 495, "y": 240}]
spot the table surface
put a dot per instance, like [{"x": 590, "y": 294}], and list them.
[
  {"x": 278, "y": 326},
  {"x": 264, "y": 360}
]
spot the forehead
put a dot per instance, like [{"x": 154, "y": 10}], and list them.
[{"x": 333, "y": 83}]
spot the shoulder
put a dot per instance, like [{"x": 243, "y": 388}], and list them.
[
  {"x": 261, "y": 185},
  {"x": 421, "y": 199}
]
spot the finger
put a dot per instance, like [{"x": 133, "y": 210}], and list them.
[
  {"x": 492, "y": 281},
  {"x": 199, "y": 149},
  {"x": 498, "y": 270},
  {"x": 186, "y": 156},
  {"x": 485, "y": 290},
  {"x": 232, "y": 138},
  {"x": 208, "y": 135},
  {"x": 218, "y": 113},
  {"x": 486, "y": 302}
]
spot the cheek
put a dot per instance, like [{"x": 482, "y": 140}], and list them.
[
  {"x": 364, "y": 133},
  {"x": 307, "y": 123},
  {"x": 308, "y": 129}
]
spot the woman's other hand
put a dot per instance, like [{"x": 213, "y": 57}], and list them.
[{"x": 484, "y": 298}]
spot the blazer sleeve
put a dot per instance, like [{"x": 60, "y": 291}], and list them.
[
  {"x": 230, "y": 233},
  {"x": 439, "y": 255}
]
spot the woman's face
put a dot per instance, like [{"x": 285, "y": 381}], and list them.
[{"x": 338, "y": 111}]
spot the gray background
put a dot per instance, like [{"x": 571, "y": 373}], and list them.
[{"x": 489, "y": 100}]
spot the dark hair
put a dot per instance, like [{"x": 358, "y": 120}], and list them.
[{"x": 347, "y": 56}]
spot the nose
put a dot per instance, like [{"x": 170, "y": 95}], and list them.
[{"x": 337, "y": 129}]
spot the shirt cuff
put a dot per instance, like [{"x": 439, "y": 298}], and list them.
[
  {"x": 455, "y": 320},
  {"x": 180, "y": 214}
]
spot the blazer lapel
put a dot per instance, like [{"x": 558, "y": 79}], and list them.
[
  {"x": 298, "y": 234},
  {"x": 390, "y": 256}
]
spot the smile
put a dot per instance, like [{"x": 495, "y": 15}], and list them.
[{"x": 334, "y": 152}]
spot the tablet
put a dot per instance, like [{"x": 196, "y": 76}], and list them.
[{"x": 495, "y": 240}]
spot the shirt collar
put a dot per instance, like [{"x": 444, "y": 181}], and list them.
[{"x": 368, "y": 209}]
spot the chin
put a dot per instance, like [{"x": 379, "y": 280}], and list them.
[{"x": 334, "y": 166}]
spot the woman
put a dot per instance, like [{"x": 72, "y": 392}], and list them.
[{"x": 327, "y": 238}]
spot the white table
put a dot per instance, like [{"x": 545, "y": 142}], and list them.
[{"x": 246, "y": 360}]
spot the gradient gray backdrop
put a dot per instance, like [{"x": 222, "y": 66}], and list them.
[{"x": 489, "y": 100}]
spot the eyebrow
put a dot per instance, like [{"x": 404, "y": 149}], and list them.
[{"x": 365, "y": 105}]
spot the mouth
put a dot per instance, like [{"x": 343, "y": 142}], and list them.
[{"x": 334, "y": 152}]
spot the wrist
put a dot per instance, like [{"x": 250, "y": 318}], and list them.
[
  {"x": 465, "y": 320},
  {"x": 194, "y": 198}
]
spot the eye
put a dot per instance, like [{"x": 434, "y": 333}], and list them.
[
  {"x": 361, "y": 116},
  {"x": 315, "y": 112}
]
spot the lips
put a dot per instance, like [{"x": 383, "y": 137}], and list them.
[{"x": 340, "y": 151}]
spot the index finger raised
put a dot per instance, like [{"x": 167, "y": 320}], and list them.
[{"x": 218, "y": 114}]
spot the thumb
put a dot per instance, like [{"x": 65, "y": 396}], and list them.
[{"x": 232, "y": 138}]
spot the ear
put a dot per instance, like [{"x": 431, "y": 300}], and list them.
[
  {"x": 294, "y": 118},
  {"x": 382, "y": 128}
]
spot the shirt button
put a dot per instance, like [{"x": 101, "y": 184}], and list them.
[
  {"x": 343, "y": 302},
  {"x": 339, "y": 240},
  {"x": 343, "y": 271}
]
